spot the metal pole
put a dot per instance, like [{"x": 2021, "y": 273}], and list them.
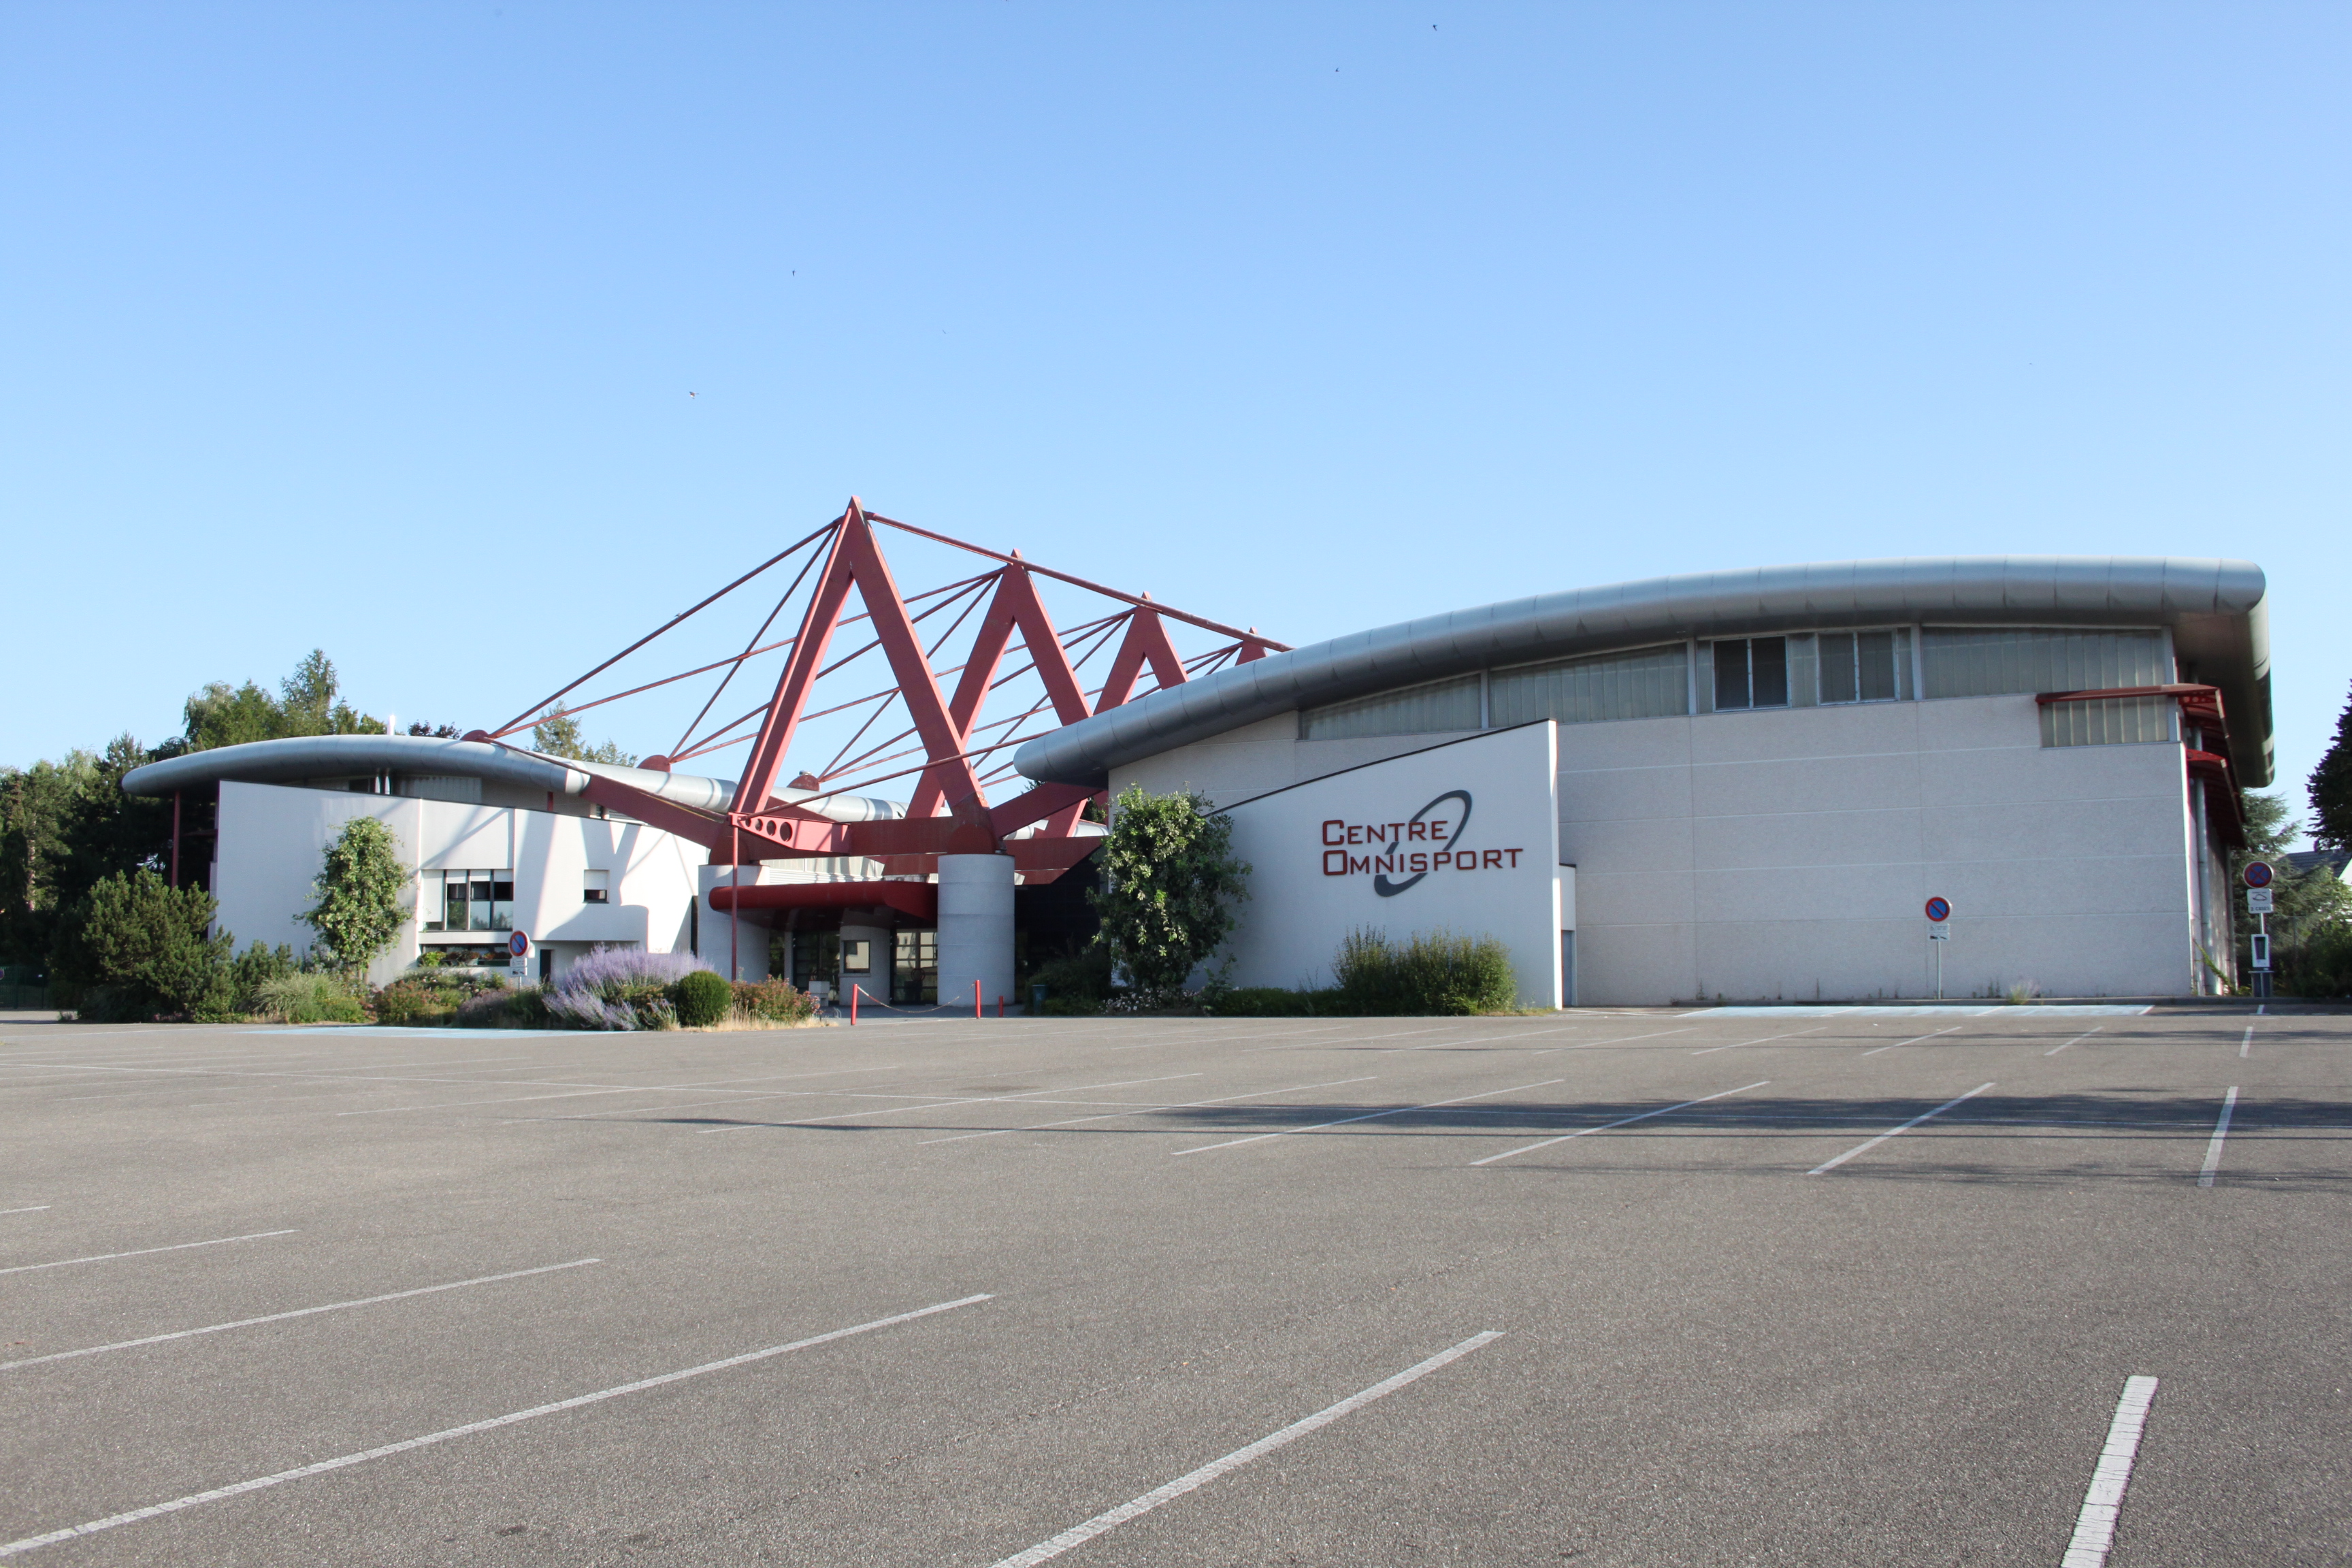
[
  {"x": 1939, "y": 971},
  {"x": 175, "y": 839},
  {"x": 735, "y": 912}
]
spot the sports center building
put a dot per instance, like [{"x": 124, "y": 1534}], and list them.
[{"x": 1745, "y": 785}]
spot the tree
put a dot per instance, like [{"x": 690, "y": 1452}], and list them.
[
  {"x": 557, "y": 734},
  {"x": 2331, "y": 788},
  {"x": 308, "y": 703},
  {"x": 36, "y": 806},
  {"x": 359, "y": 909},
  {"x": 2304, "y": 905},
  {"x": 1167, "y": 877},
  {"x": 135, "y": 948}
]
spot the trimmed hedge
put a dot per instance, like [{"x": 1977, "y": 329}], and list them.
[{"x": 703, "y": 997}]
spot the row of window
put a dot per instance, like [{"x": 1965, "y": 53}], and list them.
[
  {"x": 484, "y": 901},
  {"x": 1798, "y": 670},
  {"x": 467, "y": 900}
]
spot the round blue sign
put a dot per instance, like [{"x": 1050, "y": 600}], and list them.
[
  {"x": 2258, "y": 873},
  {"x": 518, "y": 944},
  {"x": 1940, "y": 908}
]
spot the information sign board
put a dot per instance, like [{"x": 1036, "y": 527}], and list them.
[{"x": 2260, "y": 901}]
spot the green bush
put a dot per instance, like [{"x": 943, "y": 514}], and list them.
[
  {"x": 1434, "y": 972},
  {"x": 135, "y": 948},
  {"x": 313, "y": 998},
  {"x": 1075, "y": 984},
  {"x": 1274, "y": 1002},
  {"x": 771, "y": 1000},
  {"x": 506, "y": 1007},
  {"x": 1169, "y": 885},
  {"x": 703, "y": 997},
  {"x": 255, "y": 967},
  {"x": 420, "y": 998},
  {"x": 2323, "y": 966}
]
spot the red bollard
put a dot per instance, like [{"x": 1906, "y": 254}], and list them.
[
  {"x": 1000, "y": 1006},
  {"x": 852, "y": 1005},
  {"x": 975, "y": 1000}
]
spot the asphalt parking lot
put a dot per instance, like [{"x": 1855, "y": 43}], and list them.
[{"x": 1602, "y": 1288}]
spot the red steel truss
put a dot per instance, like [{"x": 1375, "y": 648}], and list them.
[{"x": 949, "y": 811}]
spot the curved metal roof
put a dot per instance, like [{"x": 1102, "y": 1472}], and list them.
[
  {"x": 2215, "y": 610},
  {"x": 305, "y": 757}
]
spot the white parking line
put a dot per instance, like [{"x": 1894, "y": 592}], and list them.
[
  {"x": 1079, "y": 1534},
  {"x": 1147, "y": 1111},
  {"x": 934, "y": 1104},
  {"x": 1737, "y": 1043},
  {"x": 28, "y": 1208},
  {"x": 1896, "y": 1132},
  {"x": 2075, "y": 1041},
  {"x": 341, "y": 1461},
  {"x": 577, "y": 1093},
  {"x": 296, "y": 1312},
  {"x": 1619, "y": 1040},
  {"x": 143, "y": 1251},
  {"x": 2213, "y": 1147},
  {"x": 2094, "y": 1527},
  {"x": 1898, "y": 1044},
  {"x": 2246, "y": 1046},
  {"x": 1368, "y": 1116},
  {"x": 1626, "y": 1121}
]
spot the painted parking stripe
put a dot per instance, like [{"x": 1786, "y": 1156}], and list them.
[
  {"x": 143, "y": 1251},
  {"x": 1368, "y": 1116},
  {"x": 2094, "y": 1526},
  {"x": 1618, "y": 1040},
  {"x": 1898, "y": 1044},
  {"x": 1148, "y": 1111},
  {"x": 28, "y": 1208},
  {"x": 1079, "y": 1534},
  {"x": 2206, "y": 1171},
  {"x": 1735, "y": 1045},
  {"x": 2075, "y": 1041},
  {"x": 343, "y": 1461},
  {"x": 1624, "y": 1122},
  {"x": 929, "y": 1104},
  {"x": 1864, "y": 1148},
  {"x": 296, "y": 1312},
  {"x": 2246, "y": 1046}
]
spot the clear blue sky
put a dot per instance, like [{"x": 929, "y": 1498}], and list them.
[{"x": 373, "y": 326}]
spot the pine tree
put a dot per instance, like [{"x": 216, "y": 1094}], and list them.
[{"x": 2331, "y": 788}]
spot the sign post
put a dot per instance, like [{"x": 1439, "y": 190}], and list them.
[
  {"x": 518, "y": 957},
  {"x": 2260, "y": 899},
  {"x": 1940, "y": 910}
]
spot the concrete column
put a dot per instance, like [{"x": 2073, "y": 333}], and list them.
[
  {"x": 881, "y": 944},
  {"x": 975, "y": 930}
]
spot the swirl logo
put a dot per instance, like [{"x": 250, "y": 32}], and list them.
[{"x": 1388, "y": 890}]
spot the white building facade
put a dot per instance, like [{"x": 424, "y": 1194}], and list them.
[{"x": 1761, "y": 779}]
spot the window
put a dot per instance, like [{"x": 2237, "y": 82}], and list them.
[
  {"x": 1989, "y": 661},
  {"x": 915, "y": 968},
  {"x": 595, "y": 887},
  {"x": 1864, "y": 667},
  {"x": 1751, "y": 672},
  {"x": 1640, "y": 683},
  {"x": 472, "y": 900},
  {"x": 856, "y": 956},
  {"x": 2110, "y": 721},
  {"x": 1434, "y": 708}
]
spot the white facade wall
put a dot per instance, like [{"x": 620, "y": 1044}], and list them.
[
  {"x": 273, "y": 838},
  {"x": 1786, "y": 853}
]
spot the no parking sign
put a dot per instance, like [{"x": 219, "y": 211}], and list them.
[{"x": 519, "y": 953}]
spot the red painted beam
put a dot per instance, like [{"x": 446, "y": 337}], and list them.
[{"x": 919, "y": 900}]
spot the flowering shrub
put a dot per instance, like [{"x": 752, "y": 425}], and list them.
[
  {"x": 620, "y": 988},
  {"x": 774, "y": 1002}
]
